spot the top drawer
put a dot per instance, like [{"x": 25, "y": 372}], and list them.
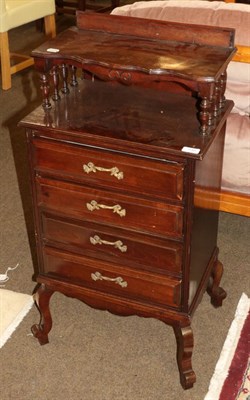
[{"x": 161, "y": 179}]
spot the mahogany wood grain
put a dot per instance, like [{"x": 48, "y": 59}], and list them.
[
  {"x": 113, "y": 170},
  {"x": 136, "y": 250},
  {"x": 193, "y": 57},
  {"x": 115, "y": 167},
  {"x": 42, "y": 298},
  {"x": 156, "y": 288},
  {"x": 111, "y": 208},
  {"x": 185, "y": 343},
  {"x": 157, "y": 29}
]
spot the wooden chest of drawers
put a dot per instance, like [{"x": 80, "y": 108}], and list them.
[{"x": 119, "y": 177}]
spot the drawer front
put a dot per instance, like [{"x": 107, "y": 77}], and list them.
[
  {"x": 111, "y": 278},
  {"x": 110, "y": 208},
  {"x": 138, "y": 175},
  {"x": 114, "y": 245}
]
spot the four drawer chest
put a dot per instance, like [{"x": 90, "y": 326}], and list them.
[{"x": 120, "y": 159}]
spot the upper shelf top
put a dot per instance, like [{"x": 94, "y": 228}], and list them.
[{"x": 193, "y": 52}]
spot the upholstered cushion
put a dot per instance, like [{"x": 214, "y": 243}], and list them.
[
  {"x": 238, "y": 87},
  {"x": 214, "y": 13},
  {"x": 14, "y": 13},
  {"x": 236, "y": 161},
  {"x": 195, "y": 12}
]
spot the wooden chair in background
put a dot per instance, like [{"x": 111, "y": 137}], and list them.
[{"x": 12, "y": 15}]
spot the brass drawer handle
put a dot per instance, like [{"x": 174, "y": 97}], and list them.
[
  {"x": 93, "y": 205},
  {"x": 118, "y": 244},
  {"x": 114, "y": 171},
  {"x": 119, "y": 280}
]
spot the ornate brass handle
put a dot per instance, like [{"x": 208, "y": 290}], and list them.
[
  {"x": 93, "y": 205},
  {"x": 119, "y": 280},
  {"x": 118, "y": 244},
  {"x": 114, "y": 171}
]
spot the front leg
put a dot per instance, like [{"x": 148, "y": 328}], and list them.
[
  {"x": 42, "y": 298},
  {"x": 216, "y": 293},
  {"x": 185, "y": 343}
]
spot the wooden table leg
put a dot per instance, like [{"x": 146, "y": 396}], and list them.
[
  {"x": 185, "y": 344},
  {"x": 41, "y": 330},
  {"x": 216, "y": 293}
]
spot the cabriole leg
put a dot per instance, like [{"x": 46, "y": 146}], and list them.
[
  {"x": 216, "y": 293},
  {"x": 185, "y": 344},
  {"x": 42, "y": 298}
]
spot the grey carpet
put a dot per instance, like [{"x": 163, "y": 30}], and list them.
[{"x": 93, "y": 355}]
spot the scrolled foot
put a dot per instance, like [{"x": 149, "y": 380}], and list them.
[
  {"x": 39, "y": 334},
  {"x": 187, "y": 379}
]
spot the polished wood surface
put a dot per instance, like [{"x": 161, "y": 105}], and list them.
[
  {"x": 127, "y": 115},
  {"x": 97, "y": 204},
  {"x": 151, "y": 47},
  {"x": 121, "y": 239},
  {"x": 114, "y": 170},
  {"x": 135, "y": 51},
  {"x": 140, "y": 250}
]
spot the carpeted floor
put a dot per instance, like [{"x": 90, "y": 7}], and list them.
[{"x": 93, "y": 355}]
